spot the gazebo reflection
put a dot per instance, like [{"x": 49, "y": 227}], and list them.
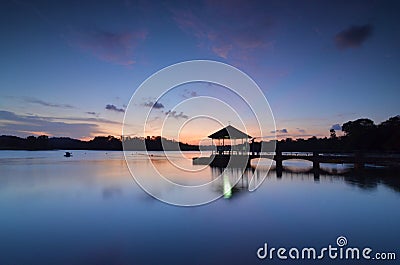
[{"x": 238, "y": 179}]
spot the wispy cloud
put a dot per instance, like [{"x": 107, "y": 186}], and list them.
[
  {"x": 79, "y": 119},
  {"x": 280, "y": 131},
  {"x": 92, "y": 113},
  {"x": 301, "y": 130},
  {"x": 189, "y": 93},
  {"x": 227, "y": 28},
  {"x": 23, "y": 125},
  {"x": 353, "y": 37},
  {"x": 154, "y": 105},
  {"x": 176, "y": 115},
  {"x": 114, "y": 108},
  {"x": 112, "y": 47},
  {"x": 336, "y": 127},
  {"x": 46, "y": 103}
]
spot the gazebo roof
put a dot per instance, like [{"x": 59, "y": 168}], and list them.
[{"x": 229, "y": 132}]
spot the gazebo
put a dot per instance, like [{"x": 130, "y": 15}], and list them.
[{"x": 230, "y": 133}]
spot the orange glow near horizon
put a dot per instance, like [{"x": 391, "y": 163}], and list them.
[
  {"x": 39, "y": 133},
  {"x": 202, "y": 138},
  {"x": 195, "y": 135},
  {"x": 196, "y": 132}
]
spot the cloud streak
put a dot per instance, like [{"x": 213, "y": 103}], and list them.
[
  {"x": 113, "y": 47},
  {"x": 301, "y": 130},
  {"x": 75, "y": 119},
  {"x": 280, "y": 131},
  {"x": 176, "y": 115},
  {"x": 24, "y": 125},
  {"x": 229, "y": 29},
  {"x": 353, "y": 37},
  {"x": 336, "y": 127},
  {"x": 46, "y": 103},
  {"x": 189, "y": 93},
  {"x": 112, "y": 107},
  {"x": 154, "y": 105}
]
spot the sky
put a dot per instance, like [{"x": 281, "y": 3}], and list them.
[{"x": 69, "y": 68}]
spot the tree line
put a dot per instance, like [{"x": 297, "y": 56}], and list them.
[
  {"x": 359, "y": 135},
  {"x": 44, "y": 142}
]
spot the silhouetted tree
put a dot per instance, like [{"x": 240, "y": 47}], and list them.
[
  {"x": 389, "y": 133},
  {"x": 333, "y": 133},
  {"x": 358, "y": 127},
  {"x": 42, "y": 142},
  {"x": 360, "y": 134},
  {"x": 105, "y": 143}
]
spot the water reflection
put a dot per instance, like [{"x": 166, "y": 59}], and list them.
[
  {"x": 88, "y": 210},
  {"x": 235, "y": 178},
  {"x": 371, "y": 178},
  {"x": 367, "y": 179}
]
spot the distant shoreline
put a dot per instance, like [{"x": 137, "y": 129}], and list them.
[
  {"x": 101, "y": 143},
  {"x": 360, "y": 136}
]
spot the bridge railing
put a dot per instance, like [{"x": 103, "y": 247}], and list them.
[
  {"x": 328, "y": 155},
  {"x": 284, "y": 153},
  {"x": 297, "y": 153}
]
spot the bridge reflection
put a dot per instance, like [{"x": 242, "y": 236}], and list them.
[{"x": 243, "y": 180}]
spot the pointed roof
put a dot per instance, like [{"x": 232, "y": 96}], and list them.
[{"x": 229, "y": 132}]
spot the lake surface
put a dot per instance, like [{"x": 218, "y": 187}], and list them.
[{"x": 87, "y": 209}]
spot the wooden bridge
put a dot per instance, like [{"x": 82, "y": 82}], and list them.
[
  {"x": 243, "y": 160},
  {"x": 240, "y": 155}
]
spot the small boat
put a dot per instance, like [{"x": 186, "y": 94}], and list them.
[{"x": 68, "y": 154}]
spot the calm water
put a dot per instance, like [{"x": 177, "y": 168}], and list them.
[{"x": 87, "y": 209}]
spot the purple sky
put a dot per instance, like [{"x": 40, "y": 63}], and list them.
[{"x": 69, "y": 68}]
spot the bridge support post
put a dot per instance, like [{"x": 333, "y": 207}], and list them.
[
  {"x": 278, "y": 162},
  {"x": 316, "y": 175},
  {"x": 315, "y": 161}
]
